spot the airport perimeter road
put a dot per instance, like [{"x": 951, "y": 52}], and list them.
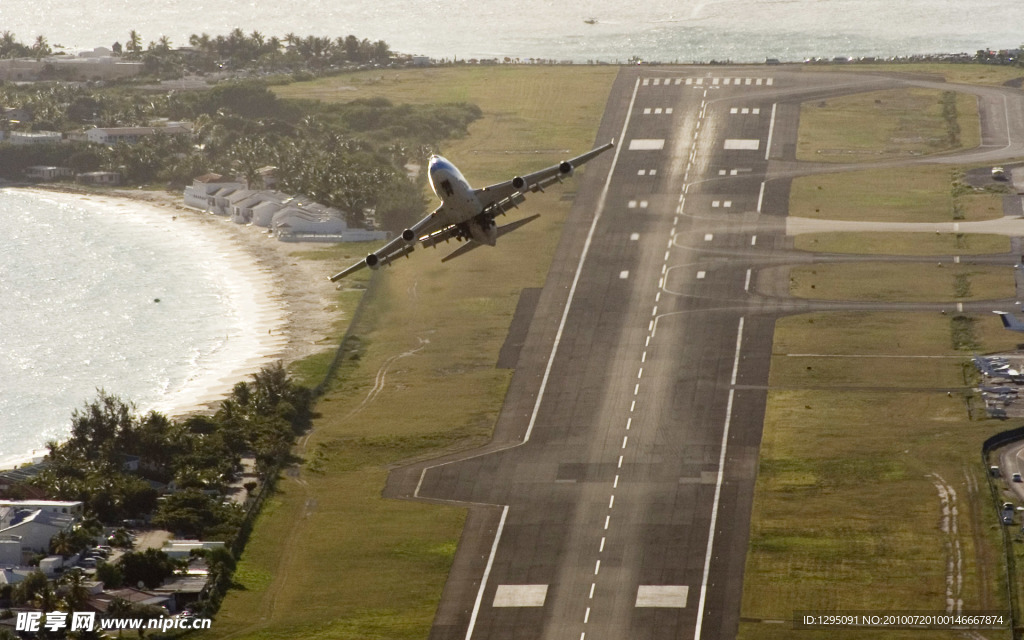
[{"x": 615, "y": 499}]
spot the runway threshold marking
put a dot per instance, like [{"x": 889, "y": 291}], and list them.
[{"x": 718, "y": 482}]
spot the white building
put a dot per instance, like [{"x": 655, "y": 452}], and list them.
[
  {"x": 204, "y": 190},
  {"x": 31, "y": 137},
  {"x": 110, "y": 136},
  {"x": 66, "y": 507},
  {"x": 180, "y": 549},
  {"x": 289, "y": 217},
  {"x": 38, "y": 172},
  {"x": 81, "y": 69},
  {"x": 36, "y": 528},
  {"x": 10, "y": 551}
]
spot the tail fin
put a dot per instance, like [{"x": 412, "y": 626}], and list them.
[{"x": 1009, "y": 321}]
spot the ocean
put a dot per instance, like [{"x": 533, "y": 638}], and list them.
[
  {"x": 98, "y": 293},
  {"x": 662, "y": 30}
]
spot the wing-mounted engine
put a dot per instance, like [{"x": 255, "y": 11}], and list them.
[{"x": 566, "y": 168}]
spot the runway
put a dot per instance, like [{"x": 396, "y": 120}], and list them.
[{"x": 614, "y": 501}]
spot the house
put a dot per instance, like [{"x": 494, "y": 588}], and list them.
[
  {"x": 111, "y": 136},
  {"x": 10, "y": 551},
  {"x": 289, "y": 217},
  {"x": 100, "y": 602},
  {"x": 182, "y": 590},
  {"x": 315, "y": 222},
  {"x": 33, "y": 137},
  {"x": 38, "y": 172},
  {"x": 18, "y": 115},
  {"x": 105, "y": 178},
  {"x": 182, "y": 549},
  {"x": 14, "y": 483},
  {"x": 36, "y": 528},
  {"x": 81, "y": 69},
  {"x": 65, "y": 507},
  {"x": 204, "y": 190},
  {"x": 12, "y": 576}
]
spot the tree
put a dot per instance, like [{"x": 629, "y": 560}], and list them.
[
  {"x": 75, "y": 591},
  {"x": 40, "y": 48},
  {"x": 110, "y": 575},
  {"x": 134, "y": 44},
  {"x": 151, "y": 567}
]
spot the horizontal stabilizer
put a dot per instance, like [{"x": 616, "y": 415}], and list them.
[
  {"x": 1009, "y": 321},
  {"x": 473, "y": 244}
]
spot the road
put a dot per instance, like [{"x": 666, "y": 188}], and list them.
[{"x": 615, "y": 499}]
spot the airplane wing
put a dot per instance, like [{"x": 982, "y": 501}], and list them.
[
  {"x": 503, "y": 194},
  {"x": 397, "y": 247}
]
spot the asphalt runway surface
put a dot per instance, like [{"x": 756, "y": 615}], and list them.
[{"x": 615, "y": 499}]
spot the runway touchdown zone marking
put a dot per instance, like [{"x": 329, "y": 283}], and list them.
[
  {"x": 665, "y": 596},
  {"x": 520, "y": 595}
]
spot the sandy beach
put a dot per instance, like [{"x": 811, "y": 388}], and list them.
[{"x": 286, "y": 304}]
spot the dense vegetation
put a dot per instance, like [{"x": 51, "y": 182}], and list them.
[
  {"x": 350, "y": 156},
  {"x": 192, "y": 460},
  {"x": 235, "y": 51}
]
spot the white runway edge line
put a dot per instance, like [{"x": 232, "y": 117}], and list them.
[
  {"x": 554, "y": 348},
  {"x": 771, "y": 130},
  {"x": 487, "y": 572},
  {"x": 718, "y": 484}
]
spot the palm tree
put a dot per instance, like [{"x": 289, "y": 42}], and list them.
[
  {"x": 134, "y": 46},
  {"x": 40, "y": 47},
  {"x": 75, "y": 593}
]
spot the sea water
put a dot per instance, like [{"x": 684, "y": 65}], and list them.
[
  {"x": 93, "y": 297},
  {"x": 583, "y": 30}
]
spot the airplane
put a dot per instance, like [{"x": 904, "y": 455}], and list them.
[
  {"x": 466, "y": 213},
  {"x": 1010, "y": 322}
]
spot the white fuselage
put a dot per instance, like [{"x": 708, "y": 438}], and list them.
[{"x": 460, "y": 203}]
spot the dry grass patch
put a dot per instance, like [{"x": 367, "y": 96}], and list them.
[
  {"x": 879, "y": 125},
  {"x": 903, "y": 243},
  {"x": 902, "y": 282}
]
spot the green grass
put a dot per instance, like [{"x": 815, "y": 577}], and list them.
[
  {"x": 902, "y": 282},
  {"x": 330, "y": 558},
  {"x": 880, "y": 125},
  {"x": 907, "y": 194},
  {"x": 980, "y": 74},
  {"x": 846, "y": 513},
  {"x": 903, "y": 243}
]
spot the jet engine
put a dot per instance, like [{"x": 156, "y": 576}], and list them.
[
  {"x": 565, "y": 167},
  {"x": 408, "y": 235},
  {"x": 518, "y": 182},
  {"x": 373, "y": 261}
]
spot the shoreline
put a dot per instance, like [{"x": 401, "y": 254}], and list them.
[{"x": 285, "y": 304}]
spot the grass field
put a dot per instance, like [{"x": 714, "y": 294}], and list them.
[
  {"x": 880, "y": 125},
  {"x": 330, "y": 558},
  {"x": 902, "y": 282},
  {"x": 907, "y": 194},
  {"x": 911, "y": 244},
  {"x": 848, "y": 508},
  {"x": 980, "y": 74}
]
